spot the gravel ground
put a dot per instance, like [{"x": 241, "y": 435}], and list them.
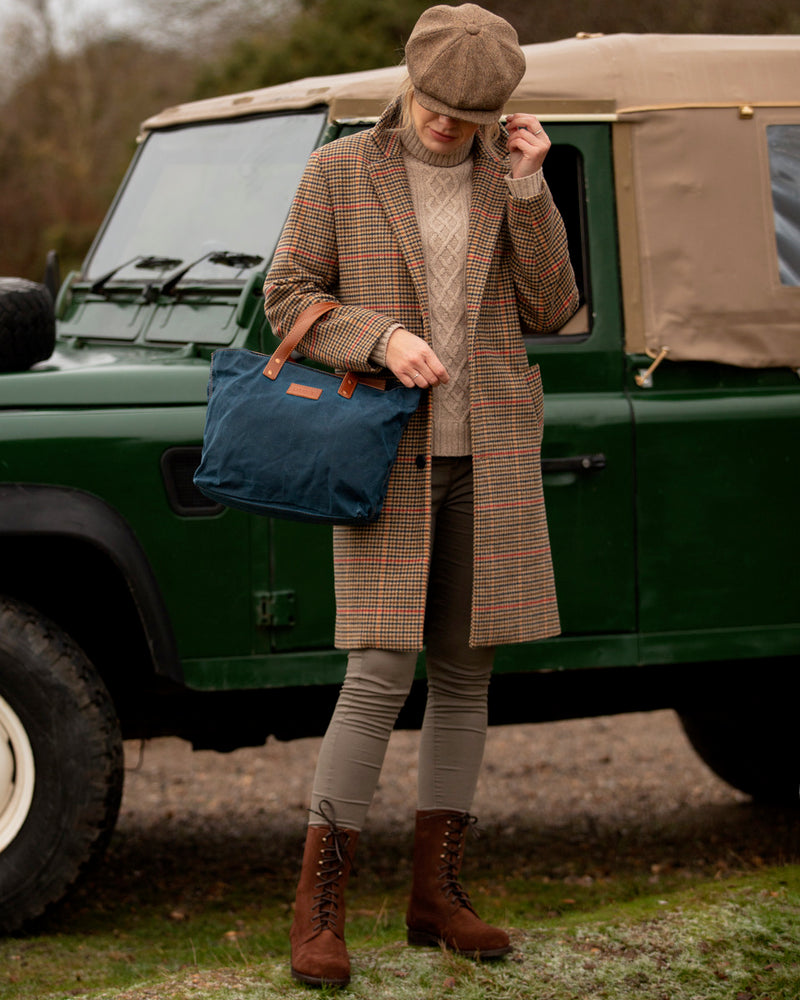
[
  {"x": 613, "y": 770},
  {"x": 572, "y": 800}
]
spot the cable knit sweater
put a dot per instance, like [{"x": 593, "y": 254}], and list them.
[
  {"x": 441, "y": 186},
  {"x": 441, "y": 189}
]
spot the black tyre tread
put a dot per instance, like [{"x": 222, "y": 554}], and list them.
[
  {"x": 27, "y": 324},
  {"x": 59, "y": 655},
  {"x": 748, "y": 748}
]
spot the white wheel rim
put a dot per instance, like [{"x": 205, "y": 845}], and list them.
[{"x": 17, "y": 774}]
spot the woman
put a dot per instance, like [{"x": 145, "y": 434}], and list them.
[{"x": 435, "y": 232}]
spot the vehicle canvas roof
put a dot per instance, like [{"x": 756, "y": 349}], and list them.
[{"x": 696, "y": 218}]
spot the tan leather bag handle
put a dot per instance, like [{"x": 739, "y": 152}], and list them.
[{"x": 307, "y": 318}]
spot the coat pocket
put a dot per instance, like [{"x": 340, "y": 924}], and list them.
[{"x": 534, "y": 381}]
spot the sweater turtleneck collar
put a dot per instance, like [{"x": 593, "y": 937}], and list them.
[{"x": 414, "y": 146}]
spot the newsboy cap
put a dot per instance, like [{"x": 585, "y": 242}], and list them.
[{"x": 464, "y": 62}]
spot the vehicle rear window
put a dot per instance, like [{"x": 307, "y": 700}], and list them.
[{"x": 784, "y": 169}]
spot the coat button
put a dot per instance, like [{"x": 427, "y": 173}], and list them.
[{"x": 420, "y": 461}]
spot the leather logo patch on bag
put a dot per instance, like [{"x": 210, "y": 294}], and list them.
[{"x": 306, "y": 391}]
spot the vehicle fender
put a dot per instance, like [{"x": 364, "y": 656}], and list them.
[{"x": 33, "y": 509}]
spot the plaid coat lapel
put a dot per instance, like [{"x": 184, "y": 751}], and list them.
[
  {"x": 390, "y": 180},
  {"x": 487, "y": 211}
]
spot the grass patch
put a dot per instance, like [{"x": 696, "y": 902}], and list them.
[{"x": 682, "y": 938}]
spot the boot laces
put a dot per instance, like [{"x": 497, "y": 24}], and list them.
[
  {"x": 453, "y": 852},
  {"x": 332, "y": 866}
]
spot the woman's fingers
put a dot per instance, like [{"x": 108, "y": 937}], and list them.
[
  {"x": 528, "y": 144},
  {"x": 413, "y": 362}
]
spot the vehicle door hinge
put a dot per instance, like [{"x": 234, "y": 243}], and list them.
[{"x": 275, "y": 608}]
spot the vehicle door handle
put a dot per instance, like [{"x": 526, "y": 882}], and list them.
[{"x": 575, "y": 463}]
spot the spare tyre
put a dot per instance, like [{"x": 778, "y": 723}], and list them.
[{"x": 27, "y": 324}]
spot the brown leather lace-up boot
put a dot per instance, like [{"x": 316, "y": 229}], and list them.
[
  {"x": 319, "y": 953},
  {"x": 440, "y": 911}
]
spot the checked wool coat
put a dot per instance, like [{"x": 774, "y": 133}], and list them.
[{"x": 352, "y": 237}]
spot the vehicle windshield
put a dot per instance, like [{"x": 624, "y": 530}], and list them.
[{"x": 205, "y": 188}]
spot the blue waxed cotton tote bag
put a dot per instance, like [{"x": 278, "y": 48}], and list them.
[{"x": 285, "y": 440}]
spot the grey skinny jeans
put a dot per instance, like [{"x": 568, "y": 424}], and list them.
[{"x": 377, "y": 682}]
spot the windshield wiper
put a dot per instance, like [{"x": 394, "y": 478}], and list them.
[
  {"x": 227, "y": 258},
  {"x": 142, "y": 263}
]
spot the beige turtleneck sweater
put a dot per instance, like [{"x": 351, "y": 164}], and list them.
[{"x": 441, "y": 190}]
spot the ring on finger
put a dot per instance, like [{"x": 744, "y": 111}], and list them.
[{"x": 538, "y": 131}]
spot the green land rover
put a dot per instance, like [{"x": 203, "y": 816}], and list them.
[{"x": 133, "y": 607}]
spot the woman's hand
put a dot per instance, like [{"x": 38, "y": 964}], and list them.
[
  {"x": 527, "y": 144},
  {"x": 412, "y": 361}
]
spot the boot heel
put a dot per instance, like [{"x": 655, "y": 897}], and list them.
[{"x": 422, "y": 939}]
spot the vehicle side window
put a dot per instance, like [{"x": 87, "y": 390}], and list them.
[
  {"x": 783, "y": 142},
  {"x": 563, "y": 170}
]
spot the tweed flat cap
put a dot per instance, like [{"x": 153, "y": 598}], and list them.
[{"x": 464, "y": 62}]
